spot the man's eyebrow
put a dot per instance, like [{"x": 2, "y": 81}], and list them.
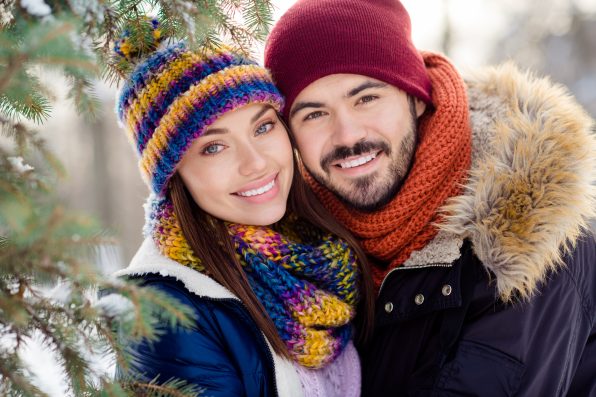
[
  {"x": 212, "y": 131},
  {"x": 354, "y": 91},
  {"x": 302, "y": 105},
  {"x": 364, "y": 86}
]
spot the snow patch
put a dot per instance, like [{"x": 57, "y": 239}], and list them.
[
  {"x": 43, "y": 365},
  {"x": 5, "y": 14},
  {"x": 61, "y": 293},
  {"x": 37, "y": 8},
  {"x": 18, "y": 165},
  {"x": 115, "y": 305}
]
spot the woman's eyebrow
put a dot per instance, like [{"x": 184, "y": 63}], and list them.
[{"x": 264, "y": 108}]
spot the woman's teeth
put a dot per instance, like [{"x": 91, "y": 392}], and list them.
[{"x": 256, "y": 192}]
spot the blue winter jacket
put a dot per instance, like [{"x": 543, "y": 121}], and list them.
[{"x": 224, "y": 353}]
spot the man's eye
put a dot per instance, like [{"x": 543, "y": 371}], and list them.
[
  {"x": 313, "y": 115},
  {"x": 368, "y": 98},
  {"x": 213, "y": 148},
  {"x": 264, "y": 128}
]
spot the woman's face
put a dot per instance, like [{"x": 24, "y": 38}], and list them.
[{"x": 240, "y": 170}]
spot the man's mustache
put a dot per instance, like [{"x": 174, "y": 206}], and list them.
[{"x": 343, "y": 152}]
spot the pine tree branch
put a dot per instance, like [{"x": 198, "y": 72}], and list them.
[
  {"x": 14, "y": 65},
  {"x": 172, "y": 388},
  {"x": 36, "y": 246},
  {"x": 20, "y": 382},
  {"x": 119, "y": 352},
  {"x": 258, "y": 17}
]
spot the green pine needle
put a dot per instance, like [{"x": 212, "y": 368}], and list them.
[
  {"x": 3, "y": 242},
  {"x": 85, "y": 99},
  {"x": 24, "y": 102},
  {"x": 170, "y": 388}
]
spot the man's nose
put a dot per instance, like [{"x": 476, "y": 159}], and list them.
[
  {"x": 251, "y": 160},
  {"x": 347, "y": 130}
]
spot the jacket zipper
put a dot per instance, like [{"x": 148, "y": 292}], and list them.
[{"x": 410, "y": 267}]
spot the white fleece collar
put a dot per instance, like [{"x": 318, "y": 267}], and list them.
[{"x": 148, "y": 260}]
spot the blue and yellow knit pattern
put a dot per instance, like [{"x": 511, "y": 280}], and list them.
[
  {"x": 306, "y": 280},
  {"x": 174, "y": 94}
]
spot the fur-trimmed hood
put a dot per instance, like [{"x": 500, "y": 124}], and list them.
[{"x": 532, "y": 185}]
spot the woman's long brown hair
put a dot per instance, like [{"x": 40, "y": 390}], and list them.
[{"x": 209, "y": 239}]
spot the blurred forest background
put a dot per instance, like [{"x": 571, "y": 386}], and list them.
[{"x": 552, "y": 37}]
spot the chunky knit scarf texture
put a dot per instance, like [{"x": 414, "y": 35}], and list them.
[
  {"x": 441, "y": 163},
  {"x": 306, "y": 280}
]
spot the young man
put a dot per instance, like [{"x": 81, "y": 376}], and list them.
[{"x": 472, "y": 198}]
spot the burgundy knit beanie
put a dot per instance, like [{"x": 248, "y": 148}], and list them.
[{"x": 316, "y": 38}]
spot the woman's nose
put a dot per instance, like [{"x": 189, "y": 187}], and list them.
[{"x": 252, "y": 160}]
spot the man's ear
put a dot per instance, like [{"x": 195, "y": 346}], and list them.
[{"x": 420, "y": 107}]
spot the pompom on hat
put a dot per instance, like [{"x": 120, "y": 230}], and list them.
[{"x": 174, "y": 93}]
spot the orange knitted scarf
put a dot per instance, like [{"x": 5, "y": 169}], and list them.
[{"x": 441, "y": 163}]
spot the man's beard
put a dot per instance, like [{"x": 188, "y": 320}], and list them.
[{"x": 372, "y": 192}]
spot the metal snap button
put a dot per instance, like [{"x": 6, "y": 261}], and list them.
[
  {"x": 419, "y": 299},
  {"x": 388, "y": 307},
  {"x": 446, "y": 290}
]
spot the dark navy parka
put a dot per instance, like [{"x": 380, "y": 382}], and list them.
[
  {"x": 462, "y": 341},
  {"x": 486, "y": 308}
]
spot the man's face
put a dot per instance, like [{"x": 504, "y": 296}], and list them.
[{"x": 356, "y": 136}]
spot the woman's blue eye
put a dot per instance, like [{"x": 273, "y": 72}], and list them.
[
  {"x": 264, "y": 128},
  {"x": 213, "y": 149}
]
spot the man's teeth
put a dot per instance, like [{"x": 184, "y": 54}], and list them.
[
  {"x": 358, "y": 161},
  {"x": 256, "y": 192}
]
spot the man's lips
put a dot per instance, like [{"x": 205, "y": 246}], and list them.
[{"x": 356, "y": 161}]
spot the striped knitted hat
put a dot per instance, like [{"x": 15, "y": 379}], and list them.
[{"x": 173, "y": 94}]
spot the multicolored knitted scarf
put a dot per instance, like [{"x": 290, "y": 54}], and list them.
[
  {"x": 306, "y": 280},
  {"x": 441, "y": 163},
  {"x": 307, "y": 283}
]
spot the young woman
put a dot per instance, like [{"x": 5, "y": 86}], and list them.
[{"x": 234, "y": 233}]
